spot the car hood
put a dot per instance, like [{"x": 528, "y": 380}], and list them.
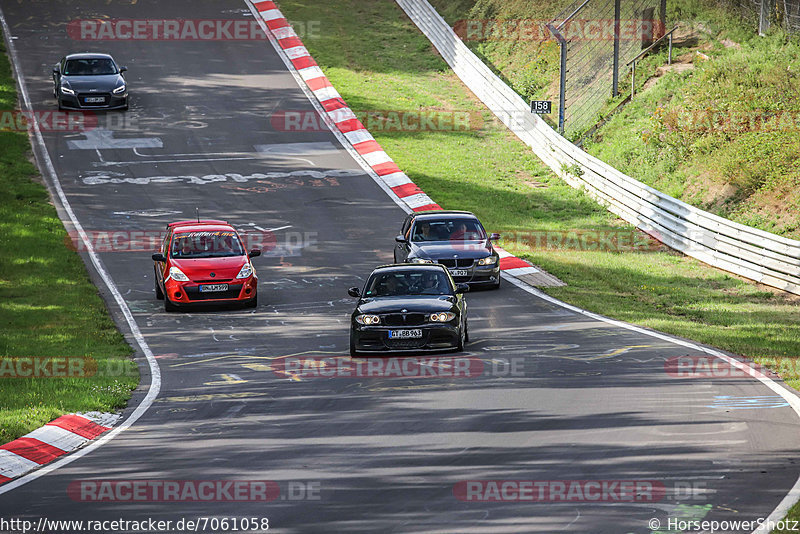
[
  {"x": 201, "y": 268},
  {"x": 412, "y": 304},
  {"x": 436, "y": 250},
  {"x": 103, "y": 84}
]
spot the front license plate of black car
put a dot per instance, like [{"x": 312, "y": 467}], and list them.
[
  {"x": 405, "y": 334},
  {"x": 459, "y": 272},
  {"x": 213, "y": 288},
  {"x": 94, "y": 99}
]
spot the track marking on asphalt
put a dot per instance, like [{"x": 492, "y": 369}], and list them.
[
  {"x": 227, "y": 380},
  {"x": 215, "y": 396},
  {"x": 43, "y": 157},
  {"x": 610, "y": 354},
  {"x": 102, "y": 138}
]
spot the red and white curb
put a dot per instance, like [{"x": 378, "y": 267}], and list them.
[
  {"x": 56, "y": 438},
  {"x": 354, "y": 131}
]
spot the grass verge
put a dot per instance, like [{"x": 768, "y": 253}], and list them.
[
  {"x": 49, "y": 308},
  {"x": 378, "y": 60}
]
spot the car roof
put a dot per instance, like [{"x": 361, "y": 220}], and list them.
[
  {"x": 199, "y": 226},
  {"x": 89, "y": 55},
  {"x": 438, "y": 214},
  {"x": 410, "y": 267}
]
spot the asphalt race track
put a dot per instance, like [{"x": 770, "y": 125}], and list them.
[{"x": 558, "y": 396}]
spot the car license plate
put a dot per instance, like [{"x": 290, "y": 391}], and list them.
[
  {"x": 213, "y": 288},
  {"x": 459, "y": 272},
  {"x": 405, "y": 334},
  {"x": 94, "y": 99}
]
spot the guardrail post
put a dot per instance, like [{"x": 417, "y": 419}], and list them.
[{"x": 633, "y": 79}]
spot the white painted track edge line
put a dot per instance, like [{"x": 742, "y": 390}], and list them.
[
  {"x": 52, "y": 177},
  {"x": 324, "y": 114}
]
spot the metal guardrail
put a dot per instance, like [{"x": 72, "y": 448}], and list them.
[{"x": 755, "y": 254}]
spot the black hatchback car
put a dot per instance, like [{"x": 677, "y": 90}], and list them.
[
  {"x": 409, "y": 308},
  {"x": 455, "y": 239},
  {"x": 89, "y": 81}
]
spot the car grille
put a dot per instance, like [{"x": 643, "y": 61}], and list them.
[
  {"x": 403, "y": 319},
  {"x": 406, "y": 343},
  {"x": 193, "y": 293},
  {"x": 83, "y": 96},
  {"x": 452, "y": 264}
]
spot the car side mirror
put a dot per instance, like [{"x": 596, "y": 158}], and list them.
[
  {"x": 494, "y": 237},
  {"x": 400, "y": 239},
  {"x": 354, "y": 292},
  {"x": 123, "y": 69},
  {"x": 462, "y": 288},
  {"x": 56, "y": 70},
  {"x": 159, "y": 257},
  {"x": 254, "y": 253}
]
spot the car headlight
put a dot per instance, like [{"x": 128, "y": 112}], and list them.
[
  {"x": 368, "y": 319},
  {"x": 177, "y": 275},
  {"x": 442, "y": 317},
  {"x": 420, "y": 260},
  {"x": 491, "y": 260},
  {"x": 66, "y": 90},
  {"x": 118, "y": 90},
  {"x": 245, "y": 271}
]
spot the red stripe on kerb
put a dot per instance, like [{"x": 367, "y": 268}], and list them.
[
  {"x": 318, "y": 83},
  {"x": 428, "y": 207},
  {"x": 406, "y": 190},
  {"x": 332, "y": 104},
  {"x": 350, "y": 125},
  {"x": 3, "y": 479},
  {"x": 264, "y": 6},
  {"x": 367, "y": 147},
  {"x": 290, "y": 42},
  {"x": 276, "y": 24},
  {"x": 304, "y": 62},
  {"x": 512, "y": 262},
  {"x": 79, "y": 425},
  {"x": 382, "y": 169},
  {"x": 34, "y": 450}
]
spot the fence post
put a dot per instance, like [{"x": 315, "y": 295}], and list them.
[
  {"x": 763, "y": 17},
  {"x": 615, "y": 72},
  {"x": 562, "y": 89}
]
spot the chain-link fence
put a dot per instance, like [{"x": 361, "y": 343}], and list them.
[
  {"x": 766, "y": 14},
  {"x": 597, "y": 38}
]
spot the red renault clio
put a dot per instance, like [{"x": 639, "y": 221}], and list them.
[{"x": 204, "y": 262}]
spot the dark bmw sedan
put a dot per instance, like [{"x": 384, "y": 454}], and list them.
[
  {"x": 455, "y": 239},
  {"x": 409, "y": 308},
  {"x": 89, "y": 81}
]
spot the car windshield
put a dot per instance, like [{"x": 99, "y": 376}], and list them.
[
  {"x": 89, "y": 67},
  {"x": 212, "y": 244},
  {"x": 406, "y": 283},
  {"x": 448, "y": 230}
]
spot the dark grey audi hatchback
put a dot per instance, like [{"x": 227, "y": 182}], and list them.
[{"x": 90, "y": 81}]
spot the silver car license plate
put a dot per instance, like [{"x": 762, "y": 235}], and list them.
[
  {"x": 405, "y": 334},
  {"x": 459, "y": 272},
  {"x": 94, "y": 99}
]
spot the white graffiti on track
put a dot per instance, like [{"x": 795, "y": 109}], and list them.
[{"x": 100, "y": 177}]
